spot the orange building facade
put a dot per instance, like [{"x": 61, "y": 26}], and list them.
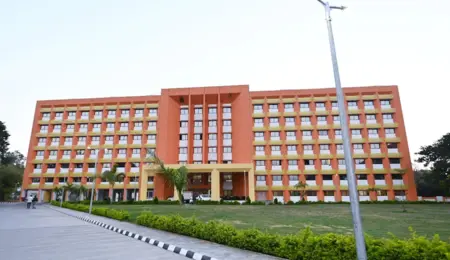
[{"x": 235, "y": 142}]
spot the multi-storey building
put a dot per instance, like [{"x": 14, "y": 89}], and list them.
[{"x": 234, "y": 142}]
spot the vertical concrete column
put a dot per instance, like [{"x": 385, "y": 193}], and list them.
[
  {"x": 251, "y": 184},
  {"x": 143, "y": 183},
  {"x": 215, "y": 185}
]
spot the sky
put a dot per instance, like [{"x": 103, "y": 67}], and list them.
[{"x": 80, "y": 49}]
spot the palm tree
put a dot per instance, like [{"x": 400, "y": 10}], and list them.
[
  {"x": 176, "y": 177},
  {"x": 66, "y": 188},
  {"x": 301, "y": 186},
  {"x": 83, "y": 191},
  {"x": 58, "y": 192},
  {"x": 112, "y": 176}
]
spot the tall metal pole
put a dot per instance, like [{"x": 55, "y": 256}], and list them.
[
  {"x": 94, "y": 181},
  {"x": 357, "y": 223}
]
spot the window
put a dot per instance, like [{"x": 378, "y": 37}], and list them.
[
  {"x": 123, "y": 125},
  {"x": 212, "y": 137},
  {"x": 320, "y": 104},
  {"x": 183, "y": 137},
  {"x": 360, "y": 161},
  {"x": 321, "y": 118},
  {"x": 388, "y": 116},
  {"x": 212, "y": 110},
  {"x": 385, "y": 102},
  {"x": 198, "y": 137},
  {"x": 381, "y": 192},
  {"x": 138, "y": 112},
  {"x": 356, "y": 131},
  {"x": 43, "y": 140},
  {"x": 257, "y": 107},
  {"x": 368, "y": 103},
  {"x": 122, "y": 151},
  {"x": 354, "y": 117},
  {"x": 274, "y": 134},
  {"x": 39, "y": 153},
  {"x": 85, "y": 113},
  {"x": 97, "y": 126},
  {"x": 197, "y": 162},
  {"x": 260, "y": 163},
  {"x": 110, "y": 125},
  {"x": 212, "y": 123},
  {"x": 372, "y": 131},
  {"x": 370, "y": 117},
  {"x": 341, "y": 162},
  {"x": 153, "y": 111},
  {"x": 83, "y": 126},
  {"x": 226, "y": 109},
  {"x": 363, "y": 193},
  {"x": 389, "y": 131},
  {"x": 198, "y": 111},
  {"x": 151, "y": 137},
  {"x": 273, "y": 106},
  {"x": 275, "y": 148},
  {"x": 352, "y": 104},
  {"x": 92, "y": 152},
  {"x": 323, "y": 132},
  {"x": 197, "y": 150},
  {"x": 212, "y": 149},
  {"x": 137, "y": 137},
  {"x": 71, "y": 114},
  {"x": 183, "y": 124},
  {"x": 306, "y": 133},
  {"x": 378, "y": 176},
  {"x": 304, "y": 105},
  {"x": 45, "y": 115},
  {"x": 289, "y": 119},
  {"x": 293, "y": 177},
  {"x": 44, "y": 127},
  {"x": 276, "y": 178},
  {"x": 339, "y": 147},
  {"x": 329, "y": 193},
  {"x": 309, "y": 162},
  {"x": 123, "y": 137},
  {"x": 182, "y": 150},
  {"x": 58, "y": 114},
  {"x": 337, "y": 132},
  {"x": 38, "y": 166},
  {"x": 68, "y": 139},
  {"x": 261, "y": 178},
  {"x": 54, "y": 140},
  {"x": 82, "y": 139},
  {"x": 377, "y": 161},
  {"x": 334, "y": 104},
  {"x": 258, "y": 121},
  {"x": 259, "y": 148},
  {"x": 111, "y": 112},
  {"x": 292, "y": 148},
  {"x": 57, "y": 127},
  {"x": 276, "y": 163},
  {"x": 336, "y": 119},
  {"x": 67, "y": 152},
  {"x": 137, "y": 124},
  {"x": 259, "y": 134},
  {"x": 307, "y": 147},
  {"x": 227, "y": 149},
  {"x": 305, "y": 119},
  {"x": 226, "y": 136},
  {"x": 198, "y": 123},
  {"x": 289, "y": 106},
  {"x": 358, "y": 146},
  {"x": 273, "y": 120},
  {"x": 184, "y": 111},
  {"x": 326, "y": 162},
  {"x": 397, "y": 177},
  {"x": 324, "y": 147},
  {"x": 290, "y": 133},
  {"x": 375, "y": 146},
  {"x": 292, "y": 162},
  {"x": 78, "y": 152}
]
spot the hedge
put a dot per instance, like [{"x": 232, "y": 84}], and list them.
[
  {"x": 104, "y": 212},
  {"x": 304, "y": 245}
]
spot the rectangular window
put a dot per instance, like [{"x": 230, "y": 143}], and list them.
[
  {"x": 212, "y": 149},
  {"x": 137, "y": 137},
  {"x": 212, "y": 123},
  {"x": 198, "y": 123},
  {"x": 227, "y": 149},
  {"x": 124, "y": 112},
  {"x": 259, "y": 134},
  {"x": 57, "y": 127},
  {"x": 153, "y": 111},
  {"x": 321, "y": 118},
  {"x": 357, "y": 146},
  {"x": 334, "y": 104},
  {"x": 306, "y": 133},
  {"x": 197, "y": 136},
  {"x": 79, "y": 152},
  {"x": 385, "y": 102},
  {"x": 275, "y": 148},
  {"x": 305, "y": 119},
  {"x": 111, "y": 112},
  {"x": 389, "y": 131},
  {"x": 352, "y": 104},
  {"x": 304, "y": 105},
  {"x": 183, "y": 137},
  {"x": 110, "y": 125},
  {"x": 293, "y": 177},
  {"x": 372, "y": 131},
  {"x": 85, "y": 113},
  {"x": 320, "y": 104},
  {"x": 356, "y": 132},
  {"x": 354, "y": 117},
  {"x": 388, "y": 116},
  {"x": 273, "y": 106},
  {"x": 341, "y": 162},
  {"x": 258, "y": 121},
  {"x": 226, "y": 109},
  {"x": 324, "y": 147},
  {"x": 276, "y": 177},
  {"x": 259, "y": 148},
  {"x": 336, "y": 118},
  {"x": 198, "y": 111},
  {"x": 123, "y": 137},
  {"x": 260, "y": 163},
  {"x": 261, "y": 178},
  {"x": 151, "y": 137},
  {"x": 276, "y": 163},
  {"x": 292, "y": 148},
  {"x": 325, "y": 162},
  {"x": 370, "y": 117},
  {"x": 323, "y": 132},
  {"x": 212, "y": 137},
  {"x": 197, "y": 150},
  {"x": 257, "y": 107},
  {"x": 289, "y": 119},
  {"x": 212, "y": 110},
  {"x": 122, "y": 151},
  {"x": 339, "y": 147},
  {"x": 290, "y": 133},
  {"x": 137, "y": 124},
  {"x": 139, "y": 112},
  {"x": 226, "y": 136},
  {"x": 184, "y": 111},
  {"x": 182, "y": 150},
  {"x": 368, "y": 103},
  {"x": 374, "y": 146},
  {"x": 337, "y": 132},
  {"x": 307, "y": 147},
  {"x": 288, "y": 106},
  {"x": 183, "y": 123},
  {"x": 273, "y": 120},
  {"x": 360, "y": 161},
  {"x": 124, "y": 125},
  {"x": 292, "y": 162}
]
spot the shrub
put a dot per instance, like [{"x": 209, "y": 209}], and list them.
[
  {"x": 104, "y": 212},
  {"x": 207, "y": 202},
  {"x": 304, "y": 245},
  {"x": 275, "y": 201},
  {"x": 155, "y": 200},
  {"x": 290, "y": 202},
  {"x": 248, "y": 201}
]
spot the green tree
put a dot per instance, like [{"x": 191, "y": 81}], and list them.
[
  {"x": 58, "y": 192},
  {"x": 4, "y": 144},
  {"x": 437, "y": 157},
  {"x": 301, "y": 187},
  {"x": 175, "y": 177},
  {"x": 10, "y": 181},
  {"x": 112, "y": 176}
]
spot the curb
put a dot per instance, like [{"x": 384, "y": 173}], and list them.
[
  {"x": 151, "y": 241},
  {"x": 9, "y": 202}
]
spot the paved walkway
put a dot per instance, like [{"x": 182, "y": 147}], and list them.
[
  {"x": 43, "y": 233},
  {"x": 47, "y": 233}
]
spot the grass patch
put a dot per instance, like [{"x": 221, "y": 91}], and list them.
[{"x": 378, "y": 219}]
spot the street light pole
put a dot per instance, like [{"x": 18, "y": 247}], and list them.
[{"x": 357, "y": 223}]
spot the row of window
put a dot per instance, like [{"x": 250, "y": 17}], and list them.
[
  {"x": 99, "y": 113},
  {"x": 80, "y": 179},
  {"x": 85, "y": 126},
  {"x": 82, "y": 165},
  {"x": 307, "y": 119},
  {"x": 375, "y": 161},
  {"x": 93, "y": 151},
  {"x": 307, "y": 105},
  {"x": 342, "y": 177},
  {"x": 331, "y": 193},
  {"x": 337, "y": 132},
  {"x": 199, "y": 150},
  {"x": 95, "y": 138},
  {"x": 211, "y": 110},
  {"x": 198, "y": 123},
  {"x": 326, "y": 147},
  {"x": 225, "y": 136}
]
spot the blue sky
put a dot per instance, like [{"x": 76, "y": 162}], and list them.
[{"x": 74, "y": 49}]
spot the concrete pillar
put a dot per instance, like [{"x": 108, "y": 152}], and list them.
[
  {"x": 251, "y": 184},
  {"x": 215, "y": 185},
  {"x": 143, "y": 185}
]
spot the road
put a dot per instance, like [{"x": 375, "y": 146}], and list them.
[{"x": 43, "y": 233}]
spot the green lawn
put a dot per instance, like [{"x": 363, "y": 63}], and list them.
[{"x": 378, "y": 219}]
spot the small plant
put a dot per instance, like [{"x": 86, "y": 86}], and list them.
[
  {"x": 290, "y": 202},
  {"x": 248, "y": 201},
  {"x": 155, "y": 200},
  {"x": 275, "y": 201}
]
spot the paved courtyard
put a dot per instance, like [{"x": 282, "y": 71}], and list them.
[{"x": 43, "y": 233}]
